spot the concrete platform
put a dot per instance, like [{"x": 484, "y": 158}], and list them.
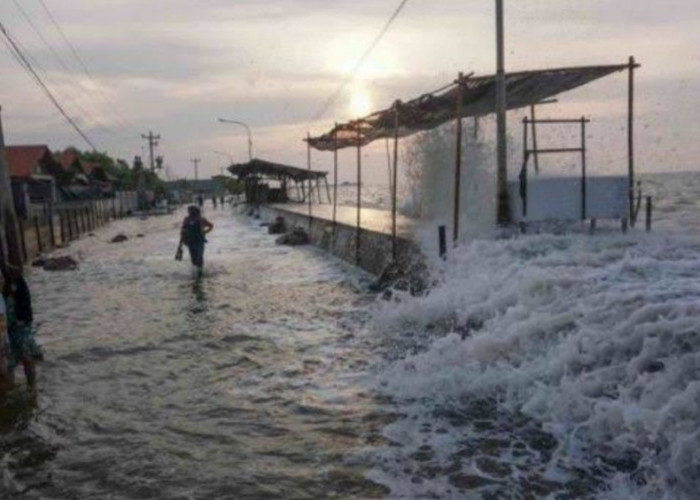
[
  {"x": 375, "y": 251},
  {"x": 371, "y": 219}
]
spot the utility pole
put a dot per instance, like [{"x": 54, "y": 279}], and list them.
[
  {"x": 196, "y": 167},
  {"x": 10, "y": 248},
  {"x": 152, "y": 144},
  {"x": 503, "y": 214}
]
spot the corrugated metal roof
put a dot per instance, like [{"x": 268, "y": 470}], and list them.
[
  {"x": 478, "y": 99},
  {"x": 275, "y": 170}
]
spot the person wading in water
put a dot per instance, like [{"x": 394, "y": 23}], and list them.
[{"x": 193, "y": 235}]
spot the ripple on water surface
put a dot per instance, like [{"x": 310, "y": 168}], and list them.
[{"x": 242, "y": 384}]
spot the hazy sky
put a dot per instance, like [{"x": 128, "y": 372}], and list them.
[{"x": 175, "y": 66}]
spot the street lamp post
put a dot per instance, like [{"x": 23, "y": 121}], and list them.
[{"x": 247, "y": 129}]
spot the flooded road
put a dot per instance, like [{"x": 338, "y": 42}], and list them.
[{"x": 246, "y": 383}]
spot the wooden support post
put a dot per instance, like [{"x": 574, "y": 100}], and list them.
[
  {"x": 442, "y": 242},
  {"x": 62, "y": 229},
  {"x": 458, "y": 159},
  {"x": 22, "y": 239},
  {"x": 335, "y": 182},
  {"x": 328, "y": 190},
  {"x": 68, "y": 225},
  {"x": 584, "y": 215},
  {"x": 503, "y": 215},
  {"x": 394, "y": 183},
  {"x": 52, "y": 230},
  {"x": 359, "y": 195},
  {"x": 649, "y": 210},
  {"x": 630, "y": 137},
  {"x": 37, "y": 229},
  {"x": 536, "y": 155},
  {"x": 524, "y": 172},
  {"x": 9, "y": 236},
  {"x": 308, "y": 163},
  {"x": 318, "y": 191}
]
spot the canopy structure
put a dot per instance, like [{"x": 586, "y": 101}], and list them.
[
  {"x": 277, "y": 171},
  {"x": 471, "y": 96},
  {"x": 478, "y": 94}
]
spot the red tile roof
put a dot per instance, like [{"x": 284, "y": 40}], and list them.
[
  {"x": 68, "y": 158},
  {"x": 24, "y": 161}
]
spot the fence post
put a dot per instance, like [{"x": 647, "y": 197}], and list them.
[
  {"x": 52, "y": 233},
  {"x": 22, "y": 240},
  {"x": 40, "y": 245},
  {"x": 73, "y": 215},
  {"x": 649, "y": 209},
  {"x": 442, "y": 241}
]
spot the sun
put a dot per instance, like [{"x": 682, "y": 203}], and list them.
[{"x": 360, "y": 102}]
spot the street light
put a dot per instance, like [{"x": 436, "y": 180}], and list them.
[{"x": 250, "y": 137}]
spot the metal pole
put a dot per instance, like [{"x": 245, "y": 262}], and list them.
[
  {"x": 359, "y": 195},
  {"x": 394, "y": 183},
  {"x": 458, "y": 161},
  {"x": 501, "y": 105},
  {"x": 630, "y": 139}
]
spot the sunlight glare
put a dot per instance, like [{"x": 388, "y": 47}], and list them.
[{"x": 360, "y": 102}]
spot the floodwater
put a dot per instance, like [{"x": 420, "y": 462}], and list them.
[{"x": 245, "y": 383}]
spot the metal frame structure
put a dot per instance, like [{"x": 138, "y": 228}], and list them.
[{"x": 531, "y": 125}]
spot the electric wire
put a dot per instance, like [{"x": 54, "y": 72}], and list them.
[
  {"x": 334, "y": 97},
  {"x": 10, "y": 43},
  {"x": 81, "y": 62},
  {"x": 90, "y": 115}
]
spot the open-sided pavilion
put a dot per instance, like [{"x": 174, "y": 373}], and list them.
[
  {"x": 474, "y": 96},
  {"x": 256, "y": 171}
]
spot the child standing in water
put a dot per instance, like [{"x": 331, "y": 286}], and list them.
[{"x": 23, "y": 346}]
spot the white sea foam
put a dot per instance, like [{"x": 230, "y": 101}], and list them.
[{"x": 593, "y": 340}]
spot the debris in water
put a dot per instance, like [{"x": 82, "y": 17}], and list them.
[
  {"x": 297, "y": 237},
  {"x": 120, "y": 238}
]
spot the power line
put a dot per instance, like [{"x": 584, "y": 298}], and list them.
[
  {"x": 81, "y": 62},
  {"x": 12, "y": 46},
  {"x": 63, "y": 65},
  {"x": 329, "y": 102}
]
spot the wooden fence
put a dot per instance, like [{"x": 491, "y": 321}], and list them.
[{"x": 42, "y": 233}]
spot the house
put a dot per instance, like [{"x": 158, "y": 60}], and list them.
[
  {"x": 86, "y": 179},
  {"x": 33, "y": 174}
]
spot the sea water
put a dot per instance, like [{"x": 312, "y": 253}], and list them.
[
  {"x": 552, "y": 365},
  {"x": 538, "y": 366}
]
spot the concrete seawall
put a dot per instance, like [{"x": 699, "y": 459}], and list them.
[{"x": 375, "y": 247}]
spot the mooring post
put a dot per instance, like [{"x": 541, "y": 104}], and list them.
[
  {"x": 442, "y": 241},
  {"x": 649, "y": 210}
]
